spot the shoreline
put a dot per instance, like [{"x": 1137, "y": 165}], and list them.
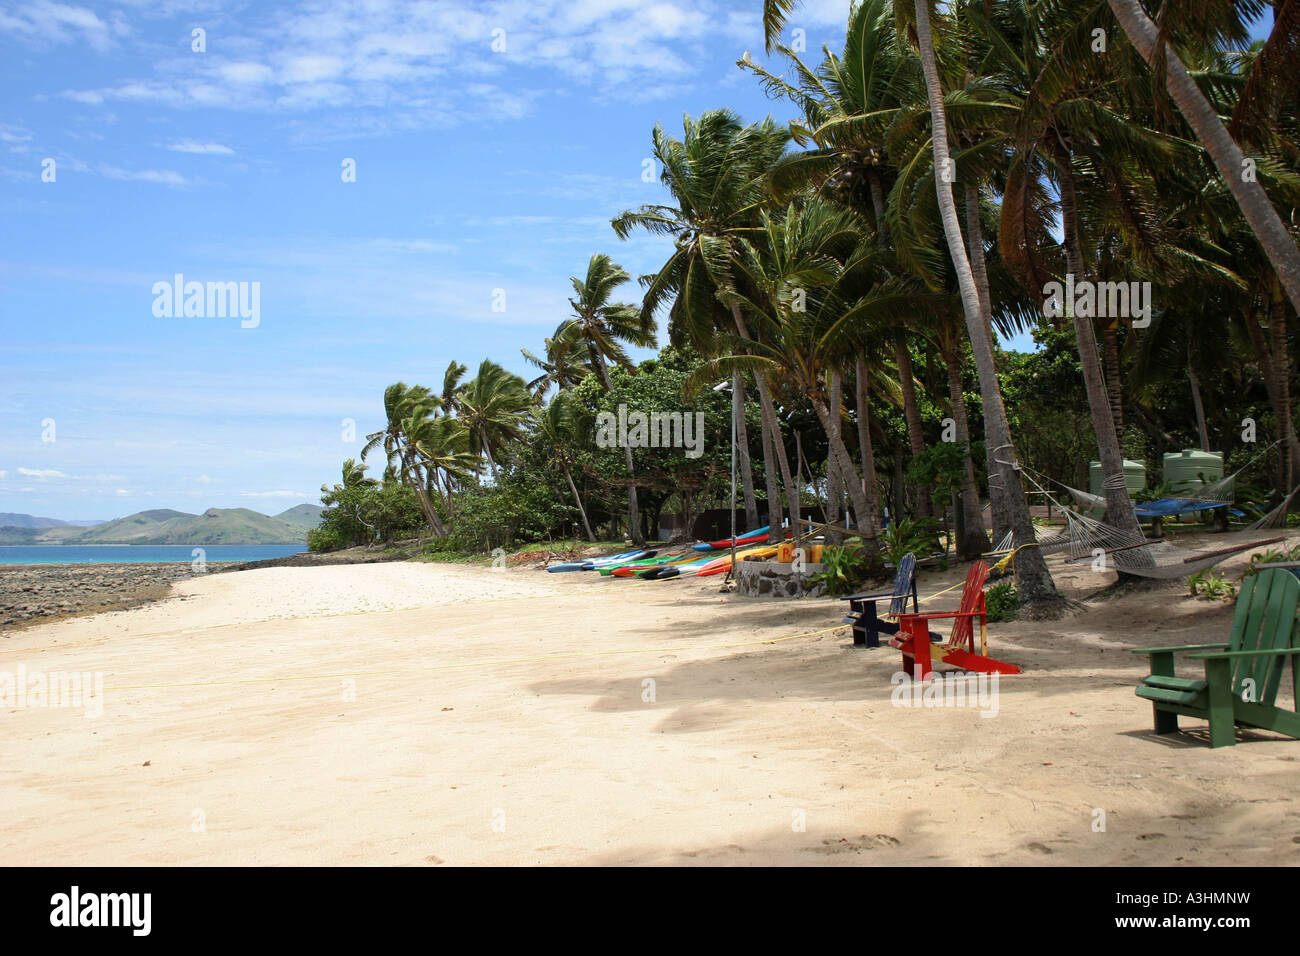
[{"x": 33, "y": 594}]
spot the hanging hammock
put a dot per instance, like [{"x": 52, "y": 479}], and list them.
[{"x": 1132, "y": 553}]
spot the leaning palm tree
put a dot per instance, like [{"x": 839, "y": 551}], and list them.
[
  {"x": 717, "y": 175},
  {"x": 493, "y": 407},
  {"x": 816, "y": 299},
  {"x": 605, "y": 327},
  {"x": 405, "y": 407},
  {"x": 445, "y": 450},
  {"x": 566, "y": 361},
  {"x": 354, "y": 476},
  {"x": 556, "y": 426},
  {"x": 1152, "y": 43},
  {"x": 1034, "y": 581}
]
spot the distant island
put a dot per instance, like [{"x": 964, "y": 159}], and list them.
[{"x": 164, "y": 526}]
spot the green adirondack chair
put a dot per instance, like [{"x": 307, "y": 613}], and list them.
[{"x": 1242, "y": 675}]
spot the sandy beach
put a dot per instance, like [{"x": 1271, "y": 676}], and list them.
[{"x": 421, "y": 714}]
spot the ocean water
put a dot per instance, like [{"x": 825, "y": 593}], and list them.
[{"x": 143, "y": 553}]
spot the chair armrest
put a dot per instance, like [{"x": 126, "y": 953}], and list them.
[
  {"x": 931, "y": 615},
  {"x": 1176, "y": 647},
  {"x": 1220, "y": 655},
  {"x": 861, "y": 597}
]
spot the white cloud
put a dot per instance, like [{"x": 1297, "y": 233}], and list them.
[
  {"x": 201, "y": 149},
  {"x": 433, "y": 64},
  {"x": 165, "y": 177},
  {"x": 274, "y": 494},
  {"x": 45, "y": 21},
  {"x": 43, "y": 473},
  {"x": 13, "y": 134}
]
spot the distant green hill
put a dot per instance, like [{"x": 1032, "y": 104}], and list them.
[
  {"x": 165, "y": 526},
  {"x": 303, "y": 516}
]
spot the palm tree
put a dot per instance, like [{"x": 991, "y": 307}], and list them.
[
  {"x": 555, "y": 425},
  {"x": 444, "y": 448},
  {"x": 717, "y": 176},
  {"x": 405, "y": 408},
  {"x": 605, "y": 327},
  {"x": 493, "y": 407},
  {"x": 1033, "y": 580},
  {"x": 816, "y": 300},
  {"x": 849, "y": 103},
  {"x": 354, "y": 476},
  {"x": 1265, "y": 223},
  {"x": 566, "y": 362}
]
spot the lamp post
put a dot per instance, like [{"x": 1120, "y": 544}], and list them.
[{"x": 725, "y": 386}]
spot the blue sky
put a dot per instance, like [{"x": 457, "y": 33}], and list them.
[{"x": 476, "y": 169}]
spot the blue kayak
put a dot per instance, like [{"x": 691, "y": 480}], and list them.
[{"x": 589, "y": 565}]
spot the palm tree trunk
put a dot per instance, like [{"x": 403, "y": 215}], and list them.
[
  {"x": 1286, "y": 432},
  {"x": 743, "y": 462},
  {"x": 633, "y": 506},
  {"x": 980, "y": 273},
  {"x": 834, "y": 487},
  {"x": 1213, "y": 135},
  {"x": 782, "y": 459},
  {"x": 1114, "y": 383},
  {"x": 773, "y": 446},
  {"x": 422, "y": 495},
  {"x": 1282, "y": 374},
  {"x": 1119, "y": 509},
  {"x": 864, "y": 508},
  {"x": 972, "y": 542},
  {"x": 1197, "y": 404},
  {"x": 1033, "y": 581},
  {"x": 912, "y": 414},
  {"x": 586, "y": 525},
  {"x": 866, "y": 450}
]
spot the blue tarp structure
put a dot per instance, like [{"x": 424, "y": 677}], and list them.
[{"x": 1168, "y": 507}]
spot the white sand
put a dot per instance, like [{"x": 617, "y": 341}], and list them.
[{"x": 504, "y": 718}]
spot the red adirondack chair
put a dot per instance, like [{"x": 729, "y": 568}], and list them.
[{"x": 959, "y": 649}]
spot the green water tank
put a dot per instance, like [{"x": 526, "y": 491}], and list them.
[
  {"x": 1187, "y": 470},
  {"x": 1135, "y": 476}
]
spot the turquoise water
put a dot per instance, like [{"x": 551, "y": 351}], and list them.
[{"x": 142, "y": 553}]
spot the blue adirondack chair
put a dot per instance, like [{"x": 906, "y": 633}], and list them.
[{"x": 867, "y": 624}]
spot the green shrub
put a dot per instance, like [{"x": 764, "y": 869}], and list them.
[
  {"x": 919, "y": 536},
  {"x": 1271, "y": 556},
  {"x": 1002, "y": 602},
  {"x": 845, "y": 569},
  {"x": 1212, "y": 587}
]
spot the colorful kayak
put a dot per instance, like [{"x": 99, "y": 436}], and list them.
[
  {"x": 719, "y": 565},
  {"x": 621, "y": 567},
  {"x": 664, "y": 572},
  {"x": 741, "y": 539},
  {"x": 589, "y": 564},
  {"x": 631, "y": 568}
]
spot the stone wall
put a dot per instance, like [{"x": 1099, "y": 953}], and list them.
[{"x": 774, "y": 579}]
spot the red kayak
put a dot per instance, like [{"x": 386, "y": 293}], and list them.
[{"x": 740, "y": 542}]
